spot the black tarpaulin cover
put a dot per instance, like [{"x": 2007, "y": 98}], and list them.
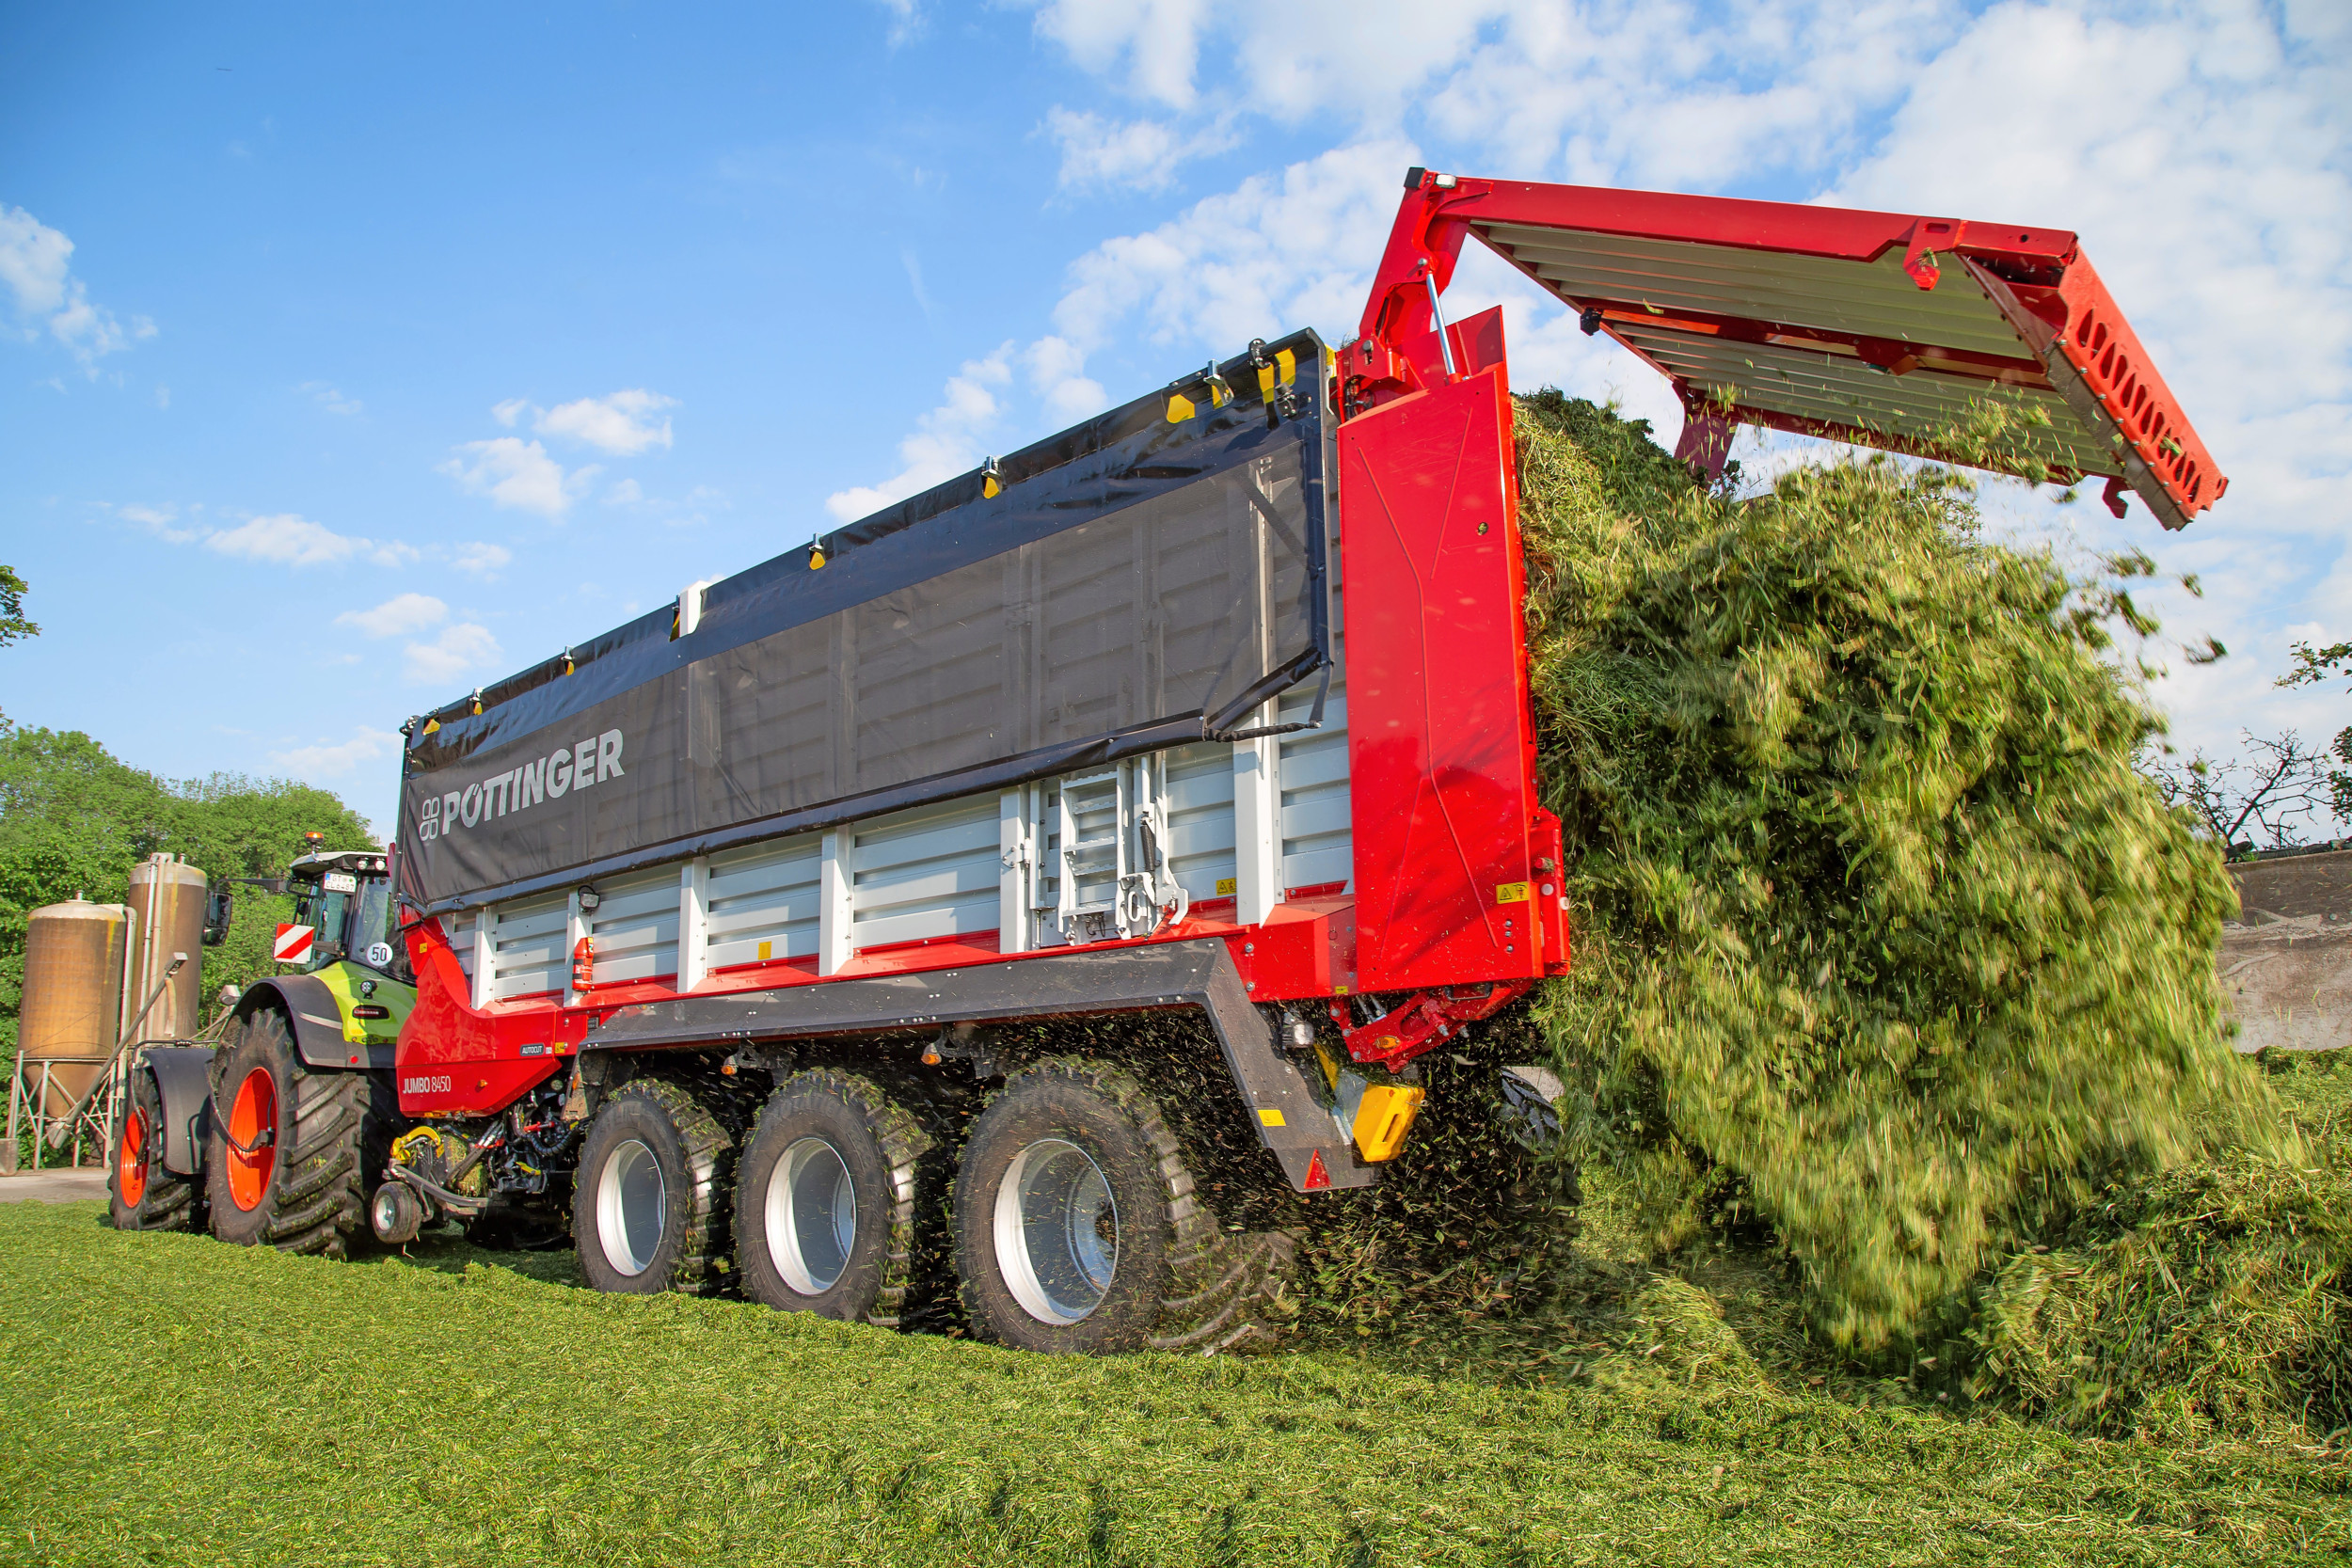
[{"x": 1135, "y": 585}]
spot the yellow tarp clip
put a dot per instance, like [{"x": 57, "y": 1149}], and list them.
[{"x": 991, "y": 482}]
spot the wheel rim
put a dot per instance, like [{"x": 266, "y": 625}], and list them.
[
  {"x": 1057, "y": 1232},
  {"x": 252, "y": 1125},
  {"x": 131, "y": 1160},
  {"x": 812, "y": 1216},
  {"x": 632, "y": 1208}
]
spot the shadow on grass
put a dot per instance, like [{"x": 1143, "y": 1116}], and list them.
[{"x": 444, "y": 1249}]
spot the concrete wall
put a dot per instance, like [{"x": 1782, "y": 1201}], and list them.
[{"x": 2287, "y": 960}]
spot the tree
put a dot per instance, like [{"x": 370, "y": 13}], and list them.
[
  {"x": 74, "y": 819},
  {"x": 2262, "y": 801},
  {"x": 2312, "y": 665},
  {"x": 14, "y": 626}
]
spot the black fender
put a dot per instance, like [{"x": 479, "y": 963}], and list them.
[
  {"x": 183, "y": 1086},
  {"x": 317, "y": 1022}
]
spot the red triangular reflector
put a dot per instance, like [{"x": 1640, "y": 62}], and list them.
[{"x": 1317, "y": 1178}]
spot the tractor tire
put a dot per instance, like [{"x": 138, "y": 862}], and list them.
[
  {"x": 294, "y": 1153},
  {"x": 830, "y": 1196},
  {"x": 1077, "y": 1228},
  {"x": 650, "y": 1201},
  {"x": 143, "y": 1194}
]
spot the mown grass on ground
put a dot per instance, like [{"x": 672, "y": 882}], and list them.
[{"x": 168, "y": 1399}]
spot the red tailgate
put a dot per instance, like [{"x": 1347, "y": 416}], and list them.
[{"x": 1440, "y": 749}]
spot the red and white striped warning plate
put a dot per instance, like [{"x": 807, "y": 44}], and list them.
[{"x": 293, "y": 945}]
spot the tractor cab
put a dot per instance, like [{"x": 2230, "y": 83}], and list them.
[{"x": 343, "y": 900}]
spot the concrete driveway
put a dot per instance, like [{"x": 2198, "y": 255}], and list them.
[{"x": 68, "y": 1185}]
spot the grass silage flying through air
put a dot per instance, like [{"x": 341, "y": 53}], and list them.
[
  {"x": 1882, "y": 941},
  {"x": 169, "y": 1399}
]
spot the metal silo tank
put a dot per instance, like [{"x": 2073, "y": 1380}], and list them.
[
  {"x": 167, "y": 899},
  {"x": 72, "y": 1002}
]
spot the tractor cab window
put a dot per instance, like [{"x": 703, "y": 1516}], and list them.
[
  {"x": 326, "y": 906},
  {"x": 373, "y": 923}
]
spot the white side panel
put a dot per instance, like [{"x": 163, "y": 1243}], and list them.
[
  {"x": 934, "y": 871},
  {"x": 460, "y": 928},
  {"x": 762, "y": 902},
  {"x": 1257, "y": 861},
  {"x": 693, "y": 924},
  {"x": 530, "y": 946},
  {"x": 1317, "y": 841},
  {"x": 1200, "y": 843},
  {"x": 1016, "y": 852},
  {"x": 485, "y": 958},
  {"x": 632, "y": 933},
  {"x": 832, "y": 901}
]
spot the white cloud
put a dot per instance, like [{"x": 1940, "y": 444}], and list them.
[
  {"x": 459, "y": 648},
  {"x": 626, "y": 493},
  {"x": 945, "y": 442},
  {"x": 331, "y": 400},
  {"x": 481, "y": 559},
  {"x": 1284, "y": 250},
  {"x": 906, "y": 20},
  {"x": 33, "y": 264},
  {"x": 1136, "y": 154},
  {"x": 1156, "y": 42},
  {"x": 287, "y": 540},
  {"x": 621, "y": 423},
  {"x": 508, "y": 412},
  {"x": 333, "y": 758},
  {"x": 516, "y": 473},
  {"x": 1055, "y": 367},
  {"x": 397, "y": 616}
]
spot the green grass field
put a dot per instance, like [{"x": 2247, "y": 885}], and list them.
[{"x": 168, "y": 1400}]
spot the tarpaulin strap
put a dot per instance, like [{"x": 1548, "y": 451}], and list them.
[{"x": 1313, "y": 719}]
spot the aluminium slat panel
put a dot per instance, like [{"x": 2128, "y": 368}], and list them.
[
  {"x": 765, "y": 896},
  {"x": 633, "y": 933},
  {"x": 930, "y": 872},
  {"x": 1199, "y": 844},
  {"x": 1316, "y": 818},
  {"x": 460, "y": 928},
  {"x": 1869, "y": 298},
  {"x": 1837, "y": 389},
  {"x": 528, "y": 937}
]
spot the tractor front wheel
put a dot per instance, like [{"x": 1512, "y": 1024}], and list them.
[{"x": 143, "y": 1195}]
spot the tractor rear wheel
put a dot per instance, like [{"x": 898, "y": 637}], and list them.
[
  {"x": 1077, "y": 1228},
  {"x": 294, "y": 1153},
  {"x": 649, "y": 1200},
  {"x": 145, "y": 1195}
]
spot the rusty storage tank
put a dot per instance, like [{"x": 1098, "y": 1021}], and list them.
[
  {"x": 72, "y": 1002},
  {"x": 167, "y": 901}
]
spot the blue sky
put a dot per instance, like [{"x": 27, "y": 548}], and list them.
[{"x": 350, "y": 359}]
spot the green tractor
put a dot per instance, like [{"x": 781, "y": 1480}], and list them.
[{"x": 281, "y": 1134}]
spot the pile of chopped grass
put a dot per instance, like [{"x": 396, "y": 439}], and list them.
[
  {"x": 1881, "y": 932},
  {"x": 1894, "y": 1024},
  {"x": 2214, "y": 1296}
]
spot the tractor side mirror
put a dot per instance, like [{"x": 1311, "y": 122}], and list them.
[{"x": 219, "y": 908}]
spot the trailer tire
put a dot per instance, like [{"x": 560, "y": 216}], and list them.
[
  {"x": 819, "y": 1132},
  {"x": 1077, "y": 1228},
  {"x": 142, "y": 1194},
  {"x": 304, "y": 1189},
  {"x": 650, "y": 1199}
]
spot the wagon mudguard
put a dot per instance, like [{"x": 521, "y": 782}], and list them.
[
  {"x": 1290, "y": 1121},
  {"x": 183, "y": 1086}
]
